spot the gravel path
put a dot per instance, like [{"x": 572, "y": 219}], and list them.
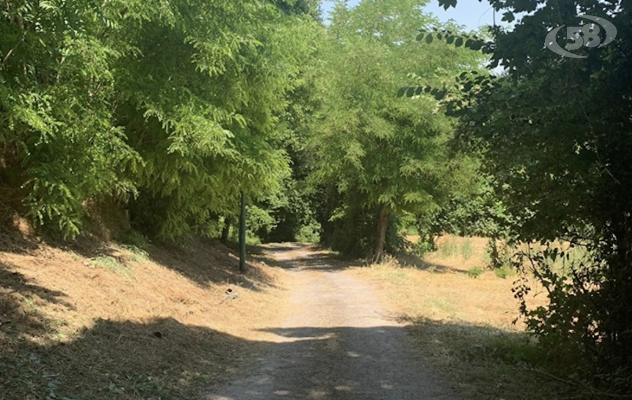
[{"x": 336, "y": 343}]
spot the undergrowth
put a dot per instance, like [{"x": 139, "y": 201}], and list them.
[{"x": 112, "y": 264}]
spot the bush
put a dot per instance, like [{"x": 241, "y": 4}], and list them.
[
  {"x": 132, "y": 238},
  {"x": 498, "y": 254},
  {"x": 504, "y": 272},
  {"x": 475, "y": 272},
  {"x": 309, "y": 233},
  {"x": 423, "y": 247},
  {"x": 577, "y": 337}
]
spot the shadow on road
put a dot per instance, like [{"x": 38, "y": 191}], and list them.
[
  {"x": 350, "y": 363},
  {"x": 364, "y": 363},
  {"x": 302, "y": 257},
  {"x": 313, "y": 257}
]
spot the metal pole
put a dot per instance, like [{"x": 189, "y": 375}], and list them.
[{"x": 242, "y": 234}]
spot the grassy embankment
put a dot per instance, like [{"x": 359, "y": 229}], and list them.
[{"x": 101, "y": 320}]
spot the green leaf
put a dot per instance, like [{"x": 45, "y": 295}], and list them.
[
  {"x": 508, "y": 16},
  {"x": 476, "y": 45},
  {"x": 447, "y": 3}
]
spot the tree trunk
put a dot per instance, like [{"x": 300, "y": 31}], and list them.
[
  {"x": 380, "y": 239},
  {"x": 225, "y": 231}
]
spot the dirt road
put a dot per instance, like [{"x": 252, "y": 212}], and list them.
[{"x": 336, "y": 343}]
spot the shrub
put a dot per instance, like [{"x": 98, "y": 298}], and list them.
[
  {"x": 309, "y": 233},
  {"x": 421, "y": 248},
  {"x": 504, "y": 272},
  {"x": 498, "y": 254},
  {"x": 475, "y": 272}
]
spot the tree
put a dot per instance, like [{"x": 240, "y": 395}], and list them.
[
  {"x": 169, "y": 109},
  {"x": 201, "y": 103},
  {"x": 58, "y": 144},
  {"x": 380, "y": 154},
  {"x": 556, "y": 137}
]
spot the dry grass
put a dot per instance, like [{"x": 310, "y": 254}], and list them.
[
  {"x": 103, "y": 321},
  {"x": 462, "y": 324}
]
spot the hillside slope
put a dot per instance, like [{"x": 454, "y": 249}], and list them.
[{"x": 101, "y": 320}]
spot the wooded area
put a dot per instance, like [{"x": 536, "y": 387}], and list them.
[{"x": 151, "y": 117}]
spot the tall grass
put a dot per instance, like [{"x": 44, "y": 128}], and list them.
[
  {"x": 466, "y": 249},
  {"x": 449, "y": 248},
  {"x": 455, "y": 246}
]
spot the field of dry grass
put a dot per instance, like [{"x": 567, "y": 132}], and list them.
[
  {"x": 463, "y": 322},
  {"x": 106, "y": 321}
]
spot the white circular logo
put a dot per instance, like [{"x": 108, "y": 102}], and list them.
[{"x": 586, "y": 35}]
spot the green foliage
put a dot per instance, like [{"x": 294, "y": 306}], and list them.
[
  {"x": 477, "y": 212},
  {"x": 475, "y": 272},
  {"x": 56, "y": 90},
  {"x": 309, "y": 233},
  {"x": 514, "y": 350},
  {"x": 458, "y": 39},
  {"x": 169, "y": 108},
  {"x": 139, "y": 255},
  {"x": 214, "y": 135},
  {"x": 499, "y": 254},
  {"x": 424, "y": 246},
  {"x": 291, "y": 212},
  {"x": 555, "y": 136},
  {"x": 351, "y": 227},
  {"x": 111, "y": 263},
  {"x": 504, "y": 272},
  {"x": 131, "y": 238},
  {"x": 569, "y": 317},
  {"x": 377, "y": 156}
]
